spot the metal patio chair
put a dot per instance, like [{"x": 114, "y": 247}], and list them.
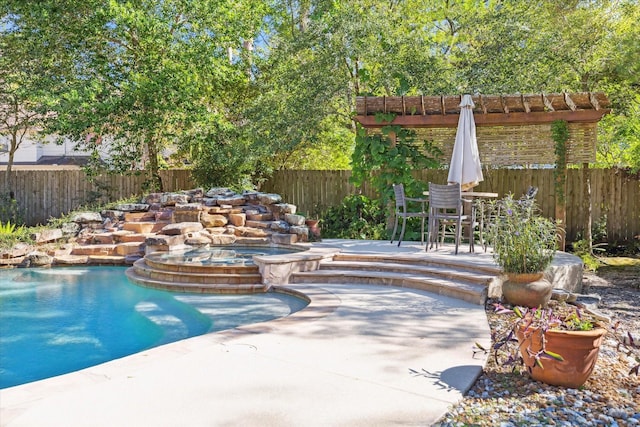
[
  {"x": 402, "y": 211},
  {"x": 445, "y": 210}
]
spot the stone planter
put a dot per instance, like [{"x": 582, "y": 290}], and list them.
[
  {"x": 579, "y": 349},
  {"x": 529, "y": 290}
]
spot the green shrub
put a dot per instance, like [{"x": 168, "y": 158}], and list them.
[
  {"x": 10, "y": 211},
  {"x": 581, "y": 249},
  {"x": 358, "y": 217},
  {"x": 10, "y": 234}
]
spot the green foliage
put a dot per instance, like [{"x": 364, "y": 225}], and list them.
[
  {"x": 358, "y": 217},
  {"x": 147, "y": 75},
  {"x": 560, "y": 135},
  {"x": 379, "y": 161},
  {"x": 619, "y": 139},
  {"x": 7, "y": 228},
  {"x": 10, "y": 211},
  {"x": 522, "y": 240},
  {"x": 10, "y": 234},
  {"x": 581, "y": 249}
]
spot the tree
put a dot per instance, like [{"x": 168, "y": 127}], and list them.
[
  {"x": 154, "y": 74},
  {"x": 32, "y": 69}
]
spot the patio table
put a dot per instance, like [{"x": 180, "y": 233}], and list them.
[{"x": 468, "y": 197}]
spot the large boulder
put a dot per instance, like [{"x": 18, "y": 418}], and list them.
[
  {"x": 87, "y": 217},
  {"x": 211, "y": 221},
  {"x": 181, "y": 228},
  {"x": 47, "y": 235},
  {"x": 133, "y": 207},
  {"x": 235, "y": 200},
  {"x": 269, "y": 198},
  {"x": 219, "y": 191},
  {"x": 172, "y": 199},
  {"x": 294, "y": 219},
  {"x": 37, "y": 259}
]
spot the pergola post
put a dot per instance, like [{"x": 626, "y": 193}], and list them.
[
  {"x": 561, "y": 206},
  {"x": 586, "y": 207}
]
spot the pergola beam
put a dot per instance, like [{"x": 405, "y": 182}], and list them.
[
  {"x": 489, "y": 119},
  {"x": 490, "y": 110}
]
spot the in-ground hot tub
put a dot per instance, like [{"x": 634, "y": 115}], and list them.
[{"x": 225, "y": 269}]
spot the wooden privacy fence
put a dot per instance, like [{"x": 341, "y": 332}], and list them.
[
  {"x": 43, "y": 194},
  {"x": 615, "y": 194}
]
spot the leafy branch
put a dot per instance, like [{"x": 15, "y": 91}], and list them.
[
  {"x": 560, "y": 135},
  {"x": 390, "y": 157}
]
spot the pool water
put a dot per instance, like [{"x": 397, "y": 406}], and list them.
[{"x": 60, "y": 320}]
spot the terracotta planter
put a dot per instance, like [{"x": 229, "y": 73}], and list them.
[
  {"x": 579, "y": 349},
  {"x": 314, "y": 228},
  {"x": 529, "y": 290}
]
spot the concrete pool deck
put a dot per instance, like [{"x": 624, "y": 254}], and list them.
[{"x": 364, "y": 355}]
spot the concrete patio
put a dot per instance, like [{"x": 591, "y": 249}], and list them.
[{"x": 357, "y": 355}]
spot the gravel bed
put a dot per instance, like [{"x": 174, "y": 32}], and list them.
[{"x": 611, "y": 397}]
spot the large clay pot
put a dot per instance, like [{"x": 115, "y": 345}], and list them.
[
  {"x": 579, "y": 349},
  {"x": 529, "y": 290}
]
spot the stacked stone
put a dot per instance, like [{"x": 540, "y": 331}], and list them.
[{"x": 166, "y": 221}]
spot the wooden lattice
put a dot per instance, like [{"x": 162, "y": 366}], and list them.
[{"x": 519, "y": 145}]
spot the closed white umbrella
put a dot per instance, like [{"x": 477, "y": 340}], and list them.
[{"x": 465, "y": 165}]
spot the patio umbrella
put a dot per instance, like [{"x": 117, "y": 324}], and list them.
[{"x": 465, "y": 165}]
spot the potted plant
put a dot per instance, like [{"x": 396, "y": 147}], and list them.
[
  {"x": 524, "y": 244},
  {"x": 559, "y": 344}
]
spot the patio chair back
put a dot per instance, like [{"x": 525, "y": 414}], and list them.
[
  {"x": 403, "y": 211},
  {"x": 445, "y": 208}
]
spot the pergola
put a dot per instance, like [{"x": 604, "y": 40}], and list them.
[{"x": 511, "y": 129}]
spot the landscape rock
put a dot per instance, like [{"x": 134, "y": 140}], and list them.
[
  {"x": 37, "y": 259},
  {"x": 198, "y": 240},
  {"x": 210, "y": 221},
  {"x": 301, "y": 231},
  {"x": 87, "y": 217},
  {"x": 280, "y": 226},
  {"x": 70, "y": 229},
  {"x": 250, "y": 232},
  {"x": 152, "y": 198},
  {"x": 164, "y": 240},
  {"x": 186, "y": 216},
  {"x": 294, "y": 219},
  {"x": 195, "y": 194},
  {"x": 185, "y": 207},
  {"x": 18, "y": 250},
  {"x": 172, "y": 199},
  {"x": 115, "y": 215},
  {"x": 268, "y": 198},
  {"x": 133, "y": 207},
  {"x": 181, "y": 228},
  {"x": 279, "y": 210},
  {"x": 223, "y": 239},
  {"x": 219, "y": 191},
  {"x": 238, "y": 219},
  {"x": 235, "y": 200},
  {"x": 47, "y": 235}
]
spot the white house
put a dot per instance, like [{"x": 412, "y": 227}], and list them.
[{"x": 31, "y": 152}]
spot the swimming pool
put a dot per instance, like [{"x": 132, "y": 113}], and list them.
[{"x": 60, "y": 320}]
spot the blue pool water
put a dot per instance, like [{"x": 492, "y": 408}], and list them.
[{"x": 55, "y": 321}]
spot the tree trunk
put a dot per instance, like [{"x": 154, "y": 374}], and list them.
[
  {"x": 586, "y": 204},
  {"x": 7, "y": 175},
  {"x": 155, "y": 182}
]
